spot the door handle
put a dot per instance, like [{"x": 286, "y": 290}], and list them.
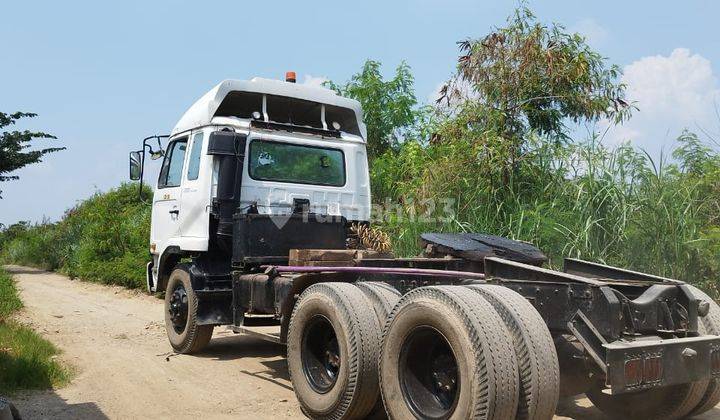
[{"x": 175, "y": 212}]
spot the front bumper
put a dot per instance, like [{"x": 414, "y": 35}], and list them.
[{"x": 649, "y": 363}]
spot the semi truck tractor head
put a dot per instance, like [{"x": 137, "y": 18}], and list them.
[{"x": 255, "y": 147}]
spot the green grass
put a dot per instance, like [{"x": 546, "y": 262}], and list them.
[
  {"x": 26, "y": 359},
  {"x": 9, "y": 299}
]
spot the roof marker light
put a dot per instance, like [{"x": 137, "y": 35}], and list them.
[{"x": 290, "y": 77}]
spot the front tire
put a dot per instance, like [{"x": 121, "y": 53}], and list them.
[{"x": 181, "y": 306}]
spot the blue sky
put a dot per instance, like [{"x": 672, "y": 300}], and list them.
[{"x": 103, "y": 75}]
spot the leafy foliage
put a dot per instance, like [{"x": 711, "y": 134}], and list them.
[
  {"x": 9, "y": 299},
  {"x": 389, "y": 107},
  {"x": 528, "y": 77},
  {"x": 502, "y": 153},
  {"x": 103, "y": 239},
  {"x": 14, "y": 145},
  {"x": 611, "y": 205}
]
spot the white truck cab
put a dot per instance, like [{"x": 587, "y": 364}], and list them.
[{"x": 302, "y": 145}]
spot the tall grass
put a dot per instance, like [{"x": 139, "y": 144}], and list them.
[
  {"x": 9, "y": 299},
  {"x": 611, "y": 205}
]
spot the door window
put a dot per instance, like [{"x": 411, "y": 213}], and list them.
[
  {"x": 171, "y": 172},
  {"x": 195, "y": 154}
]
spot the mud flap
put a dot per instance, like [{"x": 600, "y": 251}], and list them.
[{"x": 214, "y": 307}]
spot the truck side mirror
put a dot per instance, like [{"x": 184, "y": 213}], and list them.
[{"x": 135, "y": 165}]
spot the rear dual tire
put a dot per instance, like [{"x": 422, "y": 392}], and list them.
[
  {"x": 666, "y": 403},
  {"x": 539, "y": 370},
  {"x": 447, "y": 354},
  {"x": 711, "y": 322},
  {"x": 382, "y": 297},
  {"x": 333, "y": 344}
]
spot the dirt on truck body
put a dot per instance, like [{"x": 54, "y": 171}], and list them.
[{"x": 262, "y": 186}]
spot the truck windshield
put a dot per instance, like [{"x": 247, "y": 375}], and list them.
[{"x": 299, "y": 164}]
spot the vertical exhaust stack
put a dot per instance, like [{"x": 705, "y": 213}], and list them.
[
  {"x": 230, "y": 149},
  {"x": 290, "y": 77}
]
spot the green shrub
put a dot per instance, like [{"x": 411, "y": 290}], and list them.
[
  {"x": 610, "y": 205},
  {"x": 26, "y": 360},
  {"x": 103, "y": 239}
]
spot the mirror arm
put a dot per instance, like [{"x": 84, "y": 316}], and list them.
[{"x": 142, "y": 158}]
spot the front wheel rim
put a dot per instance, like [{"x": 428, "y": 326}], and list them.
[
  {"x": 178, "y": 308},
  {"x": 428, "y": 373}
]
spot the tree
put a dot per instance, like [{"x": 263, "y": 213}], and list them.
[
  {"x": 390, "y": 107},
  {"x": 14, "y": 145},
  {"x": 529, "y": 77}
]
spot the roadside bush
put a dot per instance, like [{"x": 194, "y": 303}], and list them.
[{"x": 103, "y": 239}]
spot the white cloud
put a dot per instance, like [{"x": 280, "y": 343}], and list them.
[
  {"x": 314, "y": 80},
  {"x": 672, "y": 92},
  {"x": 594, "y": 33}
]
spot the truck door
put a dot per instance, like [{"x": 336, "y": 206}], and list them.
[
  {"x": 195, "y": 196},
  {"x": 166, "y": 200}
]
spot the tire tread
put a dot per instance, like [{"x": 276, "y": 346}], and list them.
[
  {"x": 363, "y": 335},
  {"x": 535, "y": 350},
  {"x": 496, "y": 375}
]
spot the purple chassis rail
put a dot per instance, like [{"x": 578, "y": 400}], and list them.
[{"x": 376, "y": 270}]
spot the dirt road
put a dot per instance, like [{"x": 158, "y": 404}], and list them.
[{"x": 115, "y": 340}]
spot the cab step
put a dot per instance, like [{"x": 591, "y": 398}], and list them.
[{"x": 268, "y": 333}]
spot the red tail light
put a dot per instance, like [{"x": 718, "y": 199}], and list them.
[
  {"x": 652, "y": 371},
  {"x": 633, "y": 372}
]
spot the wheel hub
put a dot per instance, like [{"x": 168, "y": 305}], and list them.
[
  {"x": 429, "y": 376},
  {"x": 178, "y": 308},
  {"x": 320, "y": 354}
]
